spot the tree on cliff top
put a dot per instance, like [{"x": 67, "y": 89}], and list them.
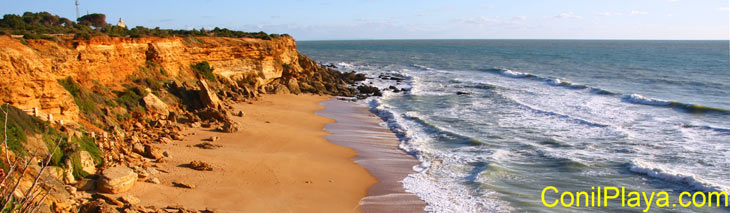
[{"x": 95, "y": 19}]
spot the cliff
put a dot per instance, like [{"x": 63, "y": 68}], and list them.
[
  {"x": 118, "y": 96},
  {"x": 31, "y": 69}
]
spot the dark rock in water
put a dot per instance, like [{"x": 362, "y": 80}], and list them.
[
  {"x": 463, "y": 93},
  {"x": 395, "y": 89},
  {"x": 369, "y": 90}
]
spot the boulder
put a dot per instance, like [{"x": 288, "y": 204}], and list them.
[
  {"x": 153, "y": 152},
  {"x": 138, "y": 148},
  {"x": 154, "y": 104},
  {"x": 207, "y": 95},
  {"x": 319, "y": 87},
  {"x": 116, "y": 180},
  {"x": 87, "y": 162},
  {"x": 281, "y": 89},
  {"x": 293, "y": 86},
  {"x": 240, "y": 114}
]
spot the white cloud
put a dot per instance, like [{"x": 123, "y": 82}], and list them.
[
  {"x": 488, "y": 7},
  {"x": 609, "y": 14},
  {"x": 568, "y": 15},
  {"x": 637, "y": 12},
  {"x": 484, "y": 20},
  {"x": 723, "y": 8},
  {"x": 672, "y": 0},
  {"x": 481, "y": 20}
]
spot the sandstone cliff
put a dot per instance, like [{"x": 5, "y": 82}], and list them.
[{"x": 31, "y": 69}]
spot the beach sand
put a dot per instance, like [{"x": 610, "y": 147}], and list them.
[{"x": 278, "y": 162}]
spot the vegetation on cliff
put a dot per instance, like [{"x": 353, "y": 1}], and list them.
[{"x": 45, "y": 25}]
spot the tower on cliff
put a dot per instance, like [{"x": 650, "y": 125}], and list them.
[{"x": 121, "y": 23}]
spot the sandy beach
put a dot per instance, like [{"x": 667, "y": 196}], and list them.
[{"x": 278, "y": 162}]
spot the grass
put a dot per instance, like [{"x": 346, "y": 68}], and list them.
[
  {"x": 85, "y": 100},
  {"x": 21, "y": 125}
]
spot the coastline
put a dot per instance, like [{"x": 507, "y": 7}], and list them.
[
  {"x": 278, "y": 162},
  {"x": 377, "y": 150}
]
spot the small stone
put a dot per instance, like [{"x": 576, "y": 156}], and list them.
[
  {"x": 108, "y": 199},
  {"x": 165, "y": 140},
  {"x": 240, "y": 114},
  {"x": 213, "y": 138},
  {"x": 183, "y": 185},
  {"x": 207, "y": 145},
  {"x": 153, "y": 180},
  {"x": 229, "y": 127},
  {"x": 129, "y": 199},
  {"x": 200, "y": 166},
  {"x": 332, "y": 181}
]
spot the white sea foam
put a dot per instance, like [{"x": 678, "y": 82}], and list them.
[
  {"x": 514, "y": 74},
  {"x": 639, "y": 99},
  {"x": 662, "y": 172}
]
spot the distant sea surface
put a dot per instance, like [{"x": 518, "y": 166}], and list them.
[{"x": 644, "y": 115}]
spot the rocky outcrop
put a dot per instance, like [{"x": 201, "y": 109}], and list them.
[{"x": 116, "y": 180}]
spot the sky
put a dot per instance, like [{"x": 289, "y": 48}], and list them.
[{"x": 416, "y": 19}]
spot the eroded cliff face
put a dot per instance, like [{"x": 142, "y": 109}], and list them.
[{"x": 30, "y": 70}]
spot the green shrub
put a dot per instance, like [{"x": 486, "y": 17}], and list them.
[
  {"x": 204, "y": 70},
  {"x": 130, "y": 98}
]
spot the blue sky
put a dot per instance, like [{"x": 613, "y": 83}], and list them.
[{"x": 414, "y": 19}]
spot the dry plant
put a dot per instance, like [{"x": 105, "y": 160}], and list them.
[{"x": 29, "y": 202}]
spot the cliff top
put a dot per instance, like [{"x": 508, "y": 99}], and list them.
[{"x": 44, "y": 25}]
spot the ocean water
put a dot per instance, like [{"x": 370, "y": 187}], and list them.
[{"x": 493, "y": 122}]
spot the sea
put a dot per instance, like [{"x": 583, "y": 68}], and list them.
[{"x": 495, "y": 122}]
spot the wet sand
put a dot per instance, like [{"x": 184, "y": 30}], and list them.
[{"x": 377, "y": 151}]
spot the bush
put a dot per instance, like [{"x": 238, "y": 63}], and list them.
[
  {"x": 204, "y": 70},
  {"x": 130, "y": 98}
]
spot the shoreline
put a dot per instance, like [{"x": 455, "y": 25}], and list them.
[
  {"x": 377, "y": 151},
  {"x": 279, "y": 161}
]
